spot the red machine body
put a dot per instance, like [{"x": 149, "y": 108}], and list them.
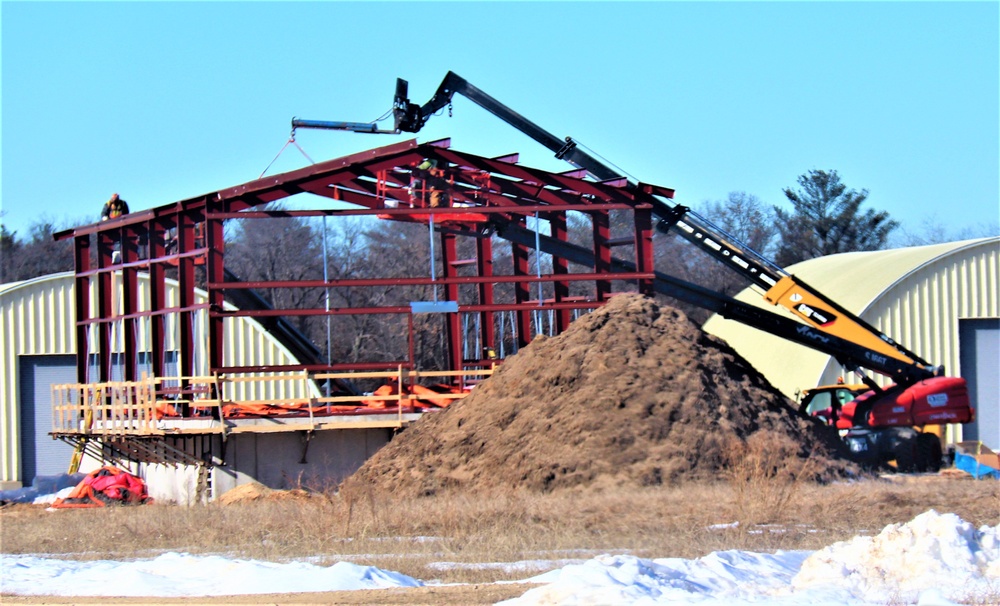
[{"x": 933, "y": 401}]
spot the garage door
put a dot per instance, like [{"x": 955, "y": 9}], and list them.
[
  {"x": 40, "y": 454},
  {"x": 979, "y": 344}
]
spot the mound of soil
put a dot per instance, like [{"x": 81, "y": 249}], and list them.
[
  {"x": 632, "y": 392},
  {"x": 255, "y": 491}
]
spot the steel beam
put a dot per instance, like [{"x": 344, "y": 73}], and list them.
[{"x": 500, "y": 190}]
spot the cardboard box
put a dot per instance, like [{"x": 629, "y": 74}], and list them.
[
  {"x": 990, "y": 460},
  {"x": 977, "y": 459}
]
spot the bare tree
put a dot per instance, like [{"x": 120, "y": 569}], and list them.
[
  {"x": 745, "y": 218},
  {"x": 933, "y": 231},
  {"x": 277, "y": 249},
  {"x": 38, "y": 255},
  {"x": 400, "y": 249},
  {"x": 10, "y": 251}
]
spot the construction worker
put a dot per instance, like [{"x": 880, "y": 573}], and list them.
[
  {"x": 437, "y": 181},
  {"x": 440, "y": 184},
  {"x": 114, "y": 208},
  {"x": 416, "y": 188}
]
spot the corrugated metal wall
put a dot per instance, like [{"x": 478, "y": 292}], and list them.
[
  {"x": 923, "y": 308},
  {"x": 37, "y": 317}
]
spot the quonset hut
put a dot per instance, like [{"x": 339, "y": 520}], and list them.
[{"x": 942, "y": 301}]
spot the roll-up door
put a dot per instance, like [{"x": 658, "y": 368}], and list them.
[
  {"x": 979, "y": 345},
  {"x": 41, "y": 455}
]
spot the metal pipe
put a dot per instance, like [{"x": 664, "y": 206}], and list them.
[
  {"x": 326, "y": 278},
  {"x": 433, "y": 271},
  {"x": 357, "y": 127}
]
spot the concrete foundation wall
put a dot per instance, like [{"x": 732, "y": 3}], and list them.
[
  {"x": 272, "y": 459},
  {"x": 290, "y": 460},
  {"x": 169, "y": 484}
]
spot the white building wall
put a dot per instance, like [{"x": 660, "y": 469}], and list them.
[{"x": 36, "y": 318}]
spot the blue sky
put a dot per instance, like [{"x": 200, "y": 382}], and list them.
[{"x": 166, "y": 101}]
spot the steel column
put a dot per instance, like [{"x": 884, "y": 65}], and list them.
[
  {"x": 130, "y": 297},
  {"x": 449, "y": 250},
  {"x": 81, "y": 252},
  {"x": 157, "y": 292},
  {"x": 644, "y": 248},
  {"x": 105, "y": 301},
  {"x": 185, "y": 297},
  {"x": 560, "y": 266},
  {"x": 602, "y": 253},
  {"x": 522, "y": 293},
  {"x": 215, "y": 269},
  {"x": 484, "y": 268}
]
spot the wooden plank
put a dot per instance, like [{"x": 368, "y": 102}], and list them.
[{"x": 317, "y": 426}]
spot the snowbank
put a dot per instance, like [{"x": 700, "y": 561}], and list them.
[
  {"x": 185, "y": 575},
  {"x": 934, "y": 559},
  {"x": 933, "y": 551},
  {"x": 721, "y": 577}
]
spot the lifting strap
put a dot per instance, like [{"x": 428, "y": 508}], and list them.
[{"x": 291, "y": 141}]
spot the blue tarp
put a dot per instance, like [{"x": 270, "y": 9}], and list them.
[
  {"x": 40, "y": 486},
  {"x": 970, "y": 465}
]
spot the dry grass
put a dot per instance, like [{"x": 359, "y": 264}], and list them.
[
  {"x": 765, "y": 471},
  {"x": 414, "y": 536}
]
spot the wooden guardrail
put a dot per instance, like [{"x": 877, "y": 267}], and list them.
[
  {"x": 104, "y": 408},
  {"x": 128, "y": 407},
  {"x": 136, "y": 407}
]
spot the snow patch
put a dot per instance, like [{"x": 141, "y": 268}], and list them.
[
  {"x": 934, "y": 551},
  {"x": 930, "y": 561},
  {"x": 185, "y": 575}
]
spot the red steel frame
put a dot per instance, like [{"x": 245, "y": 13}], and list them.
[{"x": 500, "y": 192}]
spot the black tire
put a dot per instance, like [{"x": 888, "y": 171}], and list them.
[
  {"x": 906, "y": 455},
  {"x": 928, "y": 452}
]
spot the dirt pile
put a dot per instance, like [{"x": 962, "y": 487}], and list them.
[
  {"x": 255, "y": 491},
  {"x": 632, "y": 393}
]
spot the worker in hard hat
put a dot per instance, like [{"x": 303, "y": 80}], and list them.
[
  {"x": 438, "y": 183},
  {"x": 114, "y": 208}
]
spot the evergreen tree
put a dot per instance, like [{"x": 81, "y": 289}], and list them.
[{"x": 827, "y": 219}]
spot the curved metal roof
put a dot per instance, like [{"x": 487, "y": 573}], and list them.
[
  {"x": 38, "y": 316},
  {"x": 915, "y": 295}
]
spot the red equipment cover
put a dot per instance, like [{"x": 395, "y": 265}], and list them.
[
  {"x": 933, "y": 401},
  {"x": 105, "y": 486}
]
